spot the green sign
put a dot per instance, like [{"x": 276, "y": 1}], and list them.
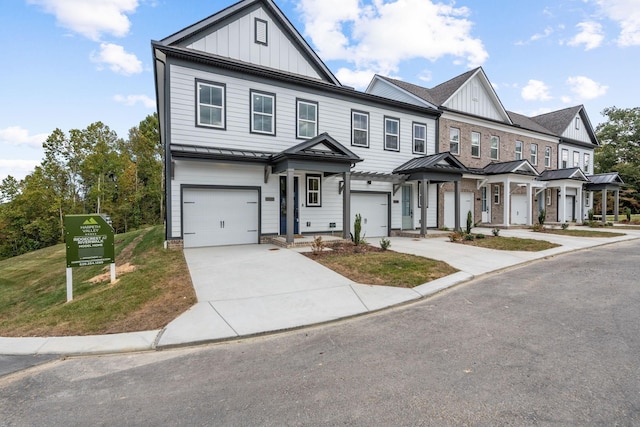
[{"x": 89, "y": 240}]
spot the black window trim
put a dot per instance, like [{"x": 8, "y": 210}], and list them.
[
  {"x": 197, "y": 104},
  {"x": 384, "y": 130},
  {"x": 413, "y": 139},
  {"x": 364, "y": 113},
  {"x": 306, "y": 183},
  {"x": 307, "y": 101},
  {"x": 265, "y": 93},
  {"x": 266, "y": 31}
]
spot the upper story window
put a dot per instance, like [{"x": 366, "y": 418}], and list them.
[
  {"x": 210, "y": 104},
  {"x": 577, "y": 123},
  {"x": 313, "y": 190},
  {"x": 359, "y": 129},
  {"x": 391, "y": 134},
  {"x": 576, "y": 159},
  {"x": 263, "y": 113},
  {"x": 564, "y": 162},
  {"x": 587, "y": 161},
  {"x": 495, "y": 147},
  {"x": 307, "y": 119},
  {"x": 261, "y": 31},
  {"x": 518, "y": 150},
  {"x": 419, "y": 139},
  {"x": 454, "y": 140},
  {"x": 475, "y": 144},
  {"x": 547, "y": 157},
  {"x": 534, "y": 154}
]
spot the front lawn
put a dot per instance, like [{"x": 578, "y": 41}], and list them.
[
  {"x": 510, "y": 244},
  {"x": 372, "y": 266},
  {"x": 581, "y": 233}
]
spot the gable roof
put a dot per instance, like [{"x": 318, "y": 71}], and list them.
[
  {"x": 441, "y": 161},
  {"x": 442, "y": 92},
  {"x": 522, "y": 167},
  {"x": 179, "y": 38},
  {"x": 566, "y": 173},
  {"x": 525, "y": 122},
  {"x": 322, "y": 146},
  {"x": 557, "y": 121},
  {"x": 606, "y": 178}
]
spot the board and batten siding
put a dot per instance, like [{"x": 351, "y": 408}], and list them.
[
  {"x": 334, "y": 117},
  {"x": 237, "y": 40},
  {"x": 473, "y": 98},
  {"x": 577, "y": 134}
]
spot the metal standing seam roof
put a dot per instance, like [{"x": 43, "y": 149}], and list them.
[
  {"x": 434, "y": 161},
  {"x": 605, "y": 178},
  {"x": 509, "y": 167},
  {"x": 567, "y": 173}
]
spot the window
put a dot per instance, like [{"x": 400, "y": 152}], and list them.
[
  {"x": 475, "y": 144},
  {"x": 547, "y": 157},
  {"x": 485, "y": 203},
  {"x": 391, "y": 134},
  {"x": 495, "y": 147},
  {"x": 263, "y": 113},
  {"x": 420, "y": 194},
  {"x": 496, "y": 194},
  {"x": 585, "y": 197},
  {"x": 587, "y": 161},
  {"x": 261, "y": 31},
  {"x": 518, "y": 150},
  {"x": 210, "y": 104},
  {"x": 548, "y": 192},
  {"x": 534, "y": 154},
  {"x": 307, "y": 119},
  {"x": 359, "y": 129},
  {"x": 577, "y": 123},
  {"x": 419, "y": 138},
  {"x": 565, "y": 159},
  {"x": 454, "y": 140},
  {"x": 576, "y": 159},
  {"x": 313, "y": 190}
]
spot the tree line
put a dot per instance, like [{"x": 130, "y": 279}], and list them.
[{"x": 87, "y": 170}]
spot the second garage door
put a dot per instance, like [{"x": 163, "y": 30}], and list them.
[
  {"x": 215, "y": 217},
  {"x": 374, "y": 209}
]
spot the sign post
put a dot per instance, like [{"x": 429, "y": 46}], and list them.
[{"x": 89, "y": 241}]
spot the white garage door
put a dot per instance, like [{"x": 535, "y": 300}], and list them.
[
  {"x": 215, "y": 217},
  {"x": 466, "y": 205},
  {"x": 374, "y": 209},
  {"x": 519, "y": 209}
]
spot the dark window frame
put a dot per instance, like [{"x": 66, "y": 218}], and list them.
[
  {"x": 353, "y": 129},
  {"x": 223, "y": 107},
  {"x": 391, "y": 119},
  {"x": 317, "y": 119},
  {"x": 253, "y": 92}
]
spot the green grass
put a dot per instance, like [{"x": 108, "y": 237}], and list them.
[
  {"x": 583, "y": 233},
  {"x": 387, "y": 268},
  {"x": 33, "y": 290},
  {"x": 511, "y": 244}
]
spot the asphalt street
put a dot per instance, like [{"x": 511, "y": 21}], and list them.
[{"x": 556, "y": 342}]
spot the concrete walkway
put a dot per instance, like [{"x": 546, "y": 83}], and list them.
[{"x": 253, "y": 289}]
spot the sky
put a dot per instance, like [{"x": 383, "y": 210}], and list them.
[{"x": 69, "y": 63}]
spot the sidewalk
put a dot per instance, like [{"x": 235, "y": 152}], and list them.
[{"x": 254, "y": 289}]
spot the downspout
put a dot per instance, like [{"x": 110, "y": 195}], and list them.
[{"x": 160, "y": 64}]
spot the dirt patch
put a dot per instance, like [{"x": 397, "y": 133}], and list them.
[
  {"x": 120, "y": 270},
  {"x": 343, "y": 248}
]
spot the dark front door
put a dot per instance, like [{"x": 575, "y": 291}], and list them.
[{"x": 283, "y": 205}]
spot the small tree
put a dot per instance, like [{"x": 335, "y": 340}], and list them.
[
  {"x": 542, "y": 216},
  {"x": 469, "y": 222},
  {"x": 356, "y": 237}
]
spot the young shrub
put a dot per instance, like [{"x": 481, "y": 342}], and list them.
[
  {"x": 356, "y": 237},
  {"x": 469, "y": 222},
  {"x": 479, "y": 236},
  {"x": 627, "y": 212},
  {"x": 536, "y": 227},
  {"x": 385, "y": 243},
  {"x": 496, "y": 231},
  {"x": 542, "y": 217},
  {"x": 590, "y": 214},
  {"x": 469, "y": 237},
  {"x": 456, "y": 236},
  {"x": 318, "y": 245},
  {"x": 565, "y": 225},
  {"x": 609, "y": 224}
]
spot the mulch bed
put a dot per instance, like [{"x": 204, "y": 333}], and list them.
[{"x": 343, "y": 248}]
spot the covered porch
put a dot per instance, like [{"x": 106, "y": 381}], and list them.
[{"x": 605, "y": 182}]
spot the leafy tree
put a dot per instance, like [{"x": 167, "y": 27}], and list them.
[{"x": 620, "y": 151}]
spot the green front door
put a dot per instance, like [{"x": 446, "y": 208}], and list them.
[{"x": 407, "y": 208}]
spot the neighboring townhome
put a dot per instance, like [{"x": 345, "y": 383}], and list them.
[
  {"x": 262, "y": 140},
  {"x": 508, "y": 156}
]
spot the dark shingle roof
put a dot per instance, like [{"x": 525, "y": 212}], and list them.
[
  {"x": 566, "y": 173},
  {"x": 526, "y": 123},
  {"x": 557, "y": 121},
  {"x": 419, "y": 91},
  {"x": 443, "y": 91}
]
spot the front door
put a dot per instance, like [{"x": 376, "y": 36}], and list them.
[
  {"x": 283, "y": 206},
  {"x": 407, "y": 209},
  {"x": 485, "y": 206}
]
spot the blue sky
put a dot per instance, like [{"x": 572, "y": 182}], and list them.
[{"x": 69, "y": 63}]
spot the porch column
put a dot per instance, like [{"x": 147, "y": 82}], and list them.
[
  {"x": 562, "y": 208},
  {"x": 346, "y": 206},
  {"x": 529, "y": 204},
  {"x": 424, "y": 194},
  {"x": 456, "y": 185},
  {"x": 616, "y": 205},
  {"x": 580, "y": 208},
  {"x": 507, "y": 203},
  {"x": 290, "y": 206},
  {"x": 604, "y": 206}
]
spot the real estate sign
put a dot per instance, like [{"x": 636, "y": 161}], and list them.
[{"x": 89, "y": 240}]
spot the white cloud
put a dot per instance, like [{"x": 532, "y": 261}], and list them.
[
  {"x": 17, "y": 168},
  {"x": 358, "y": 79},
  {"x": 585, "y": 88},
  {"x": 131, "y": 100},
  {"x": 590, "y": 35},
  {"x": 546, "y": 33},
  {"x": 91, "y": 18},
  {"x": 118, "y": 60},
  {"x": 535, "y": 90},
  {"x": 627, "y": 14},
  {"x": 566, "y": 99},
  {"x": 380, "y": 35},
  {"x": 15, "y": 135}
]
